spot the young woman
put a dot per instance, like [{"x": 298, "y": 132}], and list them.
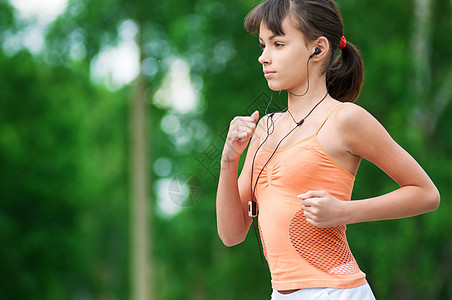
[{"x": 301, "y": 163}]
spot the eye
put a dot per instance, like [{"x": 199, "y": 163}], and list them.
[
  {"x": 262, "y": 46},
  {"x": 278, "y": 45}
]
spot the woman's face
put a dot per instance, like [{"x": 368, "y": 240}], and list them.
[{"x": 284, "y": 57}]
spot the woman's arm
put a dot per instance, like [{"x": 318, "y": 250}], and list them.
[
  {"x": 362, "y": 135},
  {"x": 233, "y": 194}
]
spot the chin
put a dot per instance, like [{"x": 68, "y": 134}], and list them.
[{"x": 275, "y": 87}]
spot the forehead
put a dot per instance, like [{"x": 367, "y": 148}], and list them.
[{"x": 289, "y": 29}]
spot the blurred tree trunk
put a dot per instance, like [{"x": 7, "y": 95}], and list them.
[
  {"x": 421, "y": 54},
  {"x": 421, "y": 45},
  {"x": 141, "y": 278},
  {"x": 430, "y": 105}
]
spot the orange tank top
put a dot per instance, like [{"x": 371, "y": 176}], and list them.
[{"x": 299, "y": 254}]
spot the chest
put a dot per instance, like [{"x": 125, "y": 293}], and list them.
[{"x": 296, "y": 165}]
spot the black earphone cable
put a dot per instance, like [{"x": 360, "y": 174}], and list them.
[
  {"x": 259, "y": 244},
  {"x": 272, "y": 126},
  {"x": 253, "y": 190},
  {"x": 302, "y": 120},
  {"x": 307, "y": 75}
]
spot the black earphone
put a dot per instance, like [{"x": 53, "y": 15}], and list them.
[{"x": 316, "y": 52}]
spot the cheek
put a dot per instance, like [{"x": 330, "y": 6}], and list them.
[
  {"x": 295, "y": 65},
  {"x": 295, "y": 71},
  {"x": 291, "y": 67}
]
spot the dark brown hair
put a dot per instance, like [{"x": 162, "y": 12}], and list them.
[{"x": 316, "y": 18}]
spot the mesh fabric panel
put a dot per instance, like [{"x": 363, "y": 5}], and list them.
[{"x": 326, "y": 248}]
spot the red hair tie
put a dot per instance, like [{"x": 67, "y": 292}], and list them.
[{"x": 342, "y": 43}]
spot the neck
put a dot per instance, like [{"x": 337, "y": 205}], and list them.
[{"x": 299, "y": 105}]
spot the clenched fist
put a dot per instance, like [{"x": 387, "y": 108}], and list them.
[
  {"x": 240, "y": 131},
  {"x": 321, "y": 209}
]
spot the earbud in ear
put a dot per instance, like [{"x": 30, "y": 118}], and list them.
[{"x": 316, "y": 52}]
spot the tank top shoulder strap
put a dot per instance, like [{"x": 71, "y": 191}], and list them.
[{"x": 326, "y": 118}]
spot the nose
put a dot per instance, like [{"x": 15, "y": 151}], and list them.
[{"x": 264, "y": 59}]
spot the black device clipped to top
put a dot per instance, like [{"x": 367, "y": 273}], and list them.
[{"x": 252, "y": 209}]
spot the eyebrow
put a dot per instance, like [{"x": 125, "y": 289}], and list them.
[{"x": 272, "y": 37}]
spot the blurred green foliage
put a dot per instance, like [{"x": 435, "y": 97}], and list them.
[{"x": 64, "y": 151}]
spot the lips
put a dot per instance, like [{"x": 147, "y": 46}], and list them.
[{"x": 269, "y": 74}]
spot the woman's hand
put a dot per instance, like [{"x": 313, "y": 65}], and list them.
[
  {"x": 323, "y": 210},
  {"x": 240, "y": 131},
  {"x": 233, "y": 194}
]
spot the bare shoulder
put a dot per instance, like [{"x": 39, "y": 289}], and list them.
[
  {"x": 358, "y": 129},
  {"x": 350, "y": 115}
]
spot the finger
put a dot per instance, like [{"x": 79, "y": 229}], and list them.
[
  {"x": 306, "y": 203},
  {"x": 249, "y": 128},
  {"x": 310, "y": 219},
  {"x": 312, "y": 222},
  {"x": 312, "y": 204},
  {"x": 245, "y": 120},
  {"x": 308, "y": 215},
  {"x": 255, "y": 116},
  {"x": 244, "y": 134},
  {"x": 243, "y": 123},
  {"x": 241, "y": 135},
  {"x": 240, "y": 141},
  {"x": 311, "y": 194},
  {"x": 236, "y": 130},
  {"x": 236, "y": 136}
]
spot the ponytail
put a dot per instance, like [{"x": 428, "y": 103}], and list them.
[{"x": 344, "y": 77}]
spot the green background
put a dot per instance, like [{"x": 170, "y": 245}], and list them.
[{"x": 65, "y": 150}]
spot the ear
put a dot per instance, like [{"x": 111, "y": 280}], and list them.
[{"x": 323, "y": 44}]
